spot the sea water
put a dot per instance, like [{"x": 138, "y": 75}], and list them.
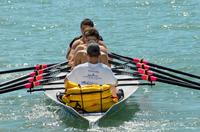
[{"x": 165, "y": 32}]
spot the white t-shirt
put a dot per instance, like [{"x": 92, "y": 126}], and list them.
[{"x": 88, "y": 73}]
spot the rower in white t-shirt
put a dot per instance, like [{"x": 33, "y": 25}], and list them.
[{"x": 93, "y": 72}]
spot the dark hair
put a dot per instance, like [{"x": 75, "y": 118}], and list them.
[
  {"x": 88, "y": 22},
  {"x": 91, "y": 32},
  {"x": 93, "y": 49}
]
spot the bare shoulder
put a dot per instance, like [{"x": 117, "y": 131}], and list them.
[
  {"x": 101, "y": 43},
  {"x": 76, "y": 43}
]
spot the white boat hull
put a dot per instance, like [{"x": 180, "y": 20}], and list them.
[{"x": 93, "y": 117}]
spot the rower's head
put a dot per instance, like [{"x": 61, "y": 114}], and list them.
[
  {"x": 86, "y": 23},
  {"x": 93, "y": 52},
  {"x": 91, "y": 35}
]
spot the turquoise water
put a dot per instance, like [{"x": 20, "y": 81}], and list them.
[{"x": 166, "y": 32}]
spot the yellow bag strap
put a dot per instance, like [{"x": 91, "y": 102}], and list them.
[
  {"x": 101, "y": 98},
  {"x": 81, "y": 96}
]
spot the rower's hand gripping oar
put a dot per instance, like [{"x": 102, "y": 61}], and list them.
[{"x": 35, "y": 73}]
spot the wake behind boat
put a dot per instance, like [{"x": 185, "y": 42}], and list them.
[{"x": 94, "y": 117}]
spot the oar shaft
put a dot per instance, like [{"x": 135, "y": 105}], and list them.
[
  {"x": 173, "y": 70},
  {"x": 136, "y": 84},
  {"x": 135, "y": 74},
  {"x": 14, "y": 80},
  {"x": 122, "y": 79},
  {"x": 178, "y": 84},
  {"x": 174, "y": 76},
  {"x": 45, "y": 89},
  {"x": 30, "y": 85},
  {"x": 11, "y": 89},
  {"x": 122, "y": 65},
  {"x": 62, "y": 88},
  {"x": 57, "y": 71},
  {"x": 56, "y": 66},
  {"x": 130, "y": 60},
  {"x": 37, "y": 67},
  {"x": 15, "y": 84},
  {"x": 35, "y": 73},
  {"x": 52, "y": 79}
]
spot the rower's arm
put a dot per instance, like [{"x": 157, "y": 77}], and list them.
[{"x": 72, "y": 50}]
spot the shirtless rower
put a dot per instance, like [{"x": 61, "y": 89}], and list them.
[
  {"x": 78, "y": 50},
  {"x": 86, "y": 23}
]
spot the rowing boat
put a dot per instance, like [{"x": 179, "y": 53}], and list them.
[{"x": 93, "y": 117}]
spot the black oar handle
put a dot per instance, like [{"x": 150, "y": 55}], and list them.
[
  {"x": 136, "y": 74},
  {"x": 66, "y": 69},
  {"x": 45, "y": 89},
  {"x": 52, "y": 79},
  {"x": 122, "y": 65},
  {"x": 136, "y": 84},
  {"x": 62, "y": 88},
  {"x": 121, "y": 79},
  {"x": 56, "y": 66}
]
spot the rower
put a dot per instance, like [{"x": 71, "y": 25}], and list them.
[
  {"x": 78, "y": 53},
  {"x": 93, "y": 72},
  {"x": 86, "y": 23}
]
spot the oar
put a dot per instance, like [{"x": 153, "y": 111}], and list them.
[
  {"x": 147, "y": 71},
  {"x": 35, "y": 73},
  {"x": 62, "y": 88},
  {"x": 118, "y": 64},
  {"x": 165, "y": 73},
  {"x": 136, "y": 60},
  {"x": 37, "y": 67},
  {"x": 121, "y": 79},
  {"x": 156, "y": 70},
  {"x": 154, "y": 79},
  {"x": 37, "y": 78},
  {"x": 135, "y": 74},
  {"x": 31, "y": 85}
]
